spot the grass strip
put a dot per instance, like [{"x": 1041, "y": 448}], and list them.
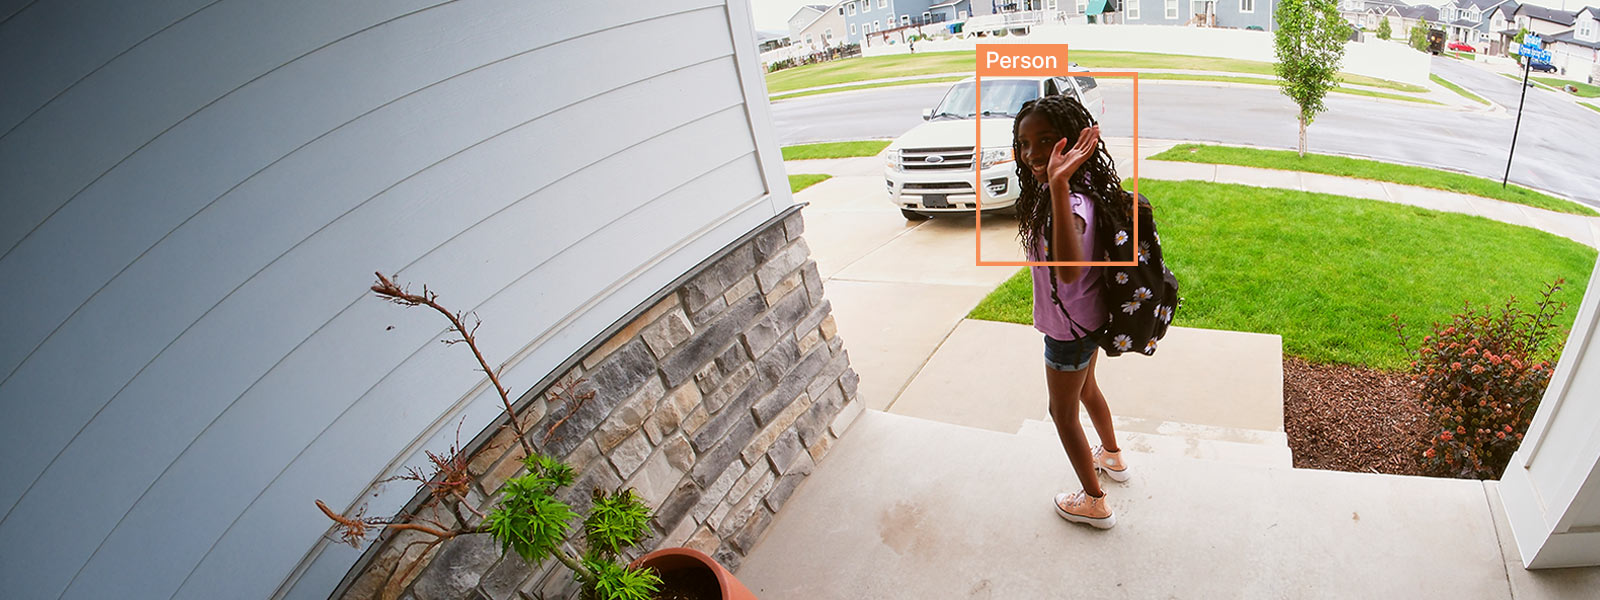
[
  {"x": 930, "y": 63},
  {"x": 1457, "y": 89},
  {"x": 1590, "y": 106},
  {"x": 1584, "y": 90},
  {"x": 1325, "y": 272},
  {"x": 866, "y": 86},
  {"x": 1289, "y": 160},
  {"x": 1263, "y": 81},
  {"x": 834, "y": 150},
  {"x": 805, "y": 180}
]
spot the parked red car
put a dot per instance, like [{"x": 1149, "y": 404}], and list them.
[{"x": 1462, "y": 47}]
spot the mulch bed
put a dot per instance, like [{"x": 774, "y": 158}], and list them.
[{"x": 1345, "y": 418}]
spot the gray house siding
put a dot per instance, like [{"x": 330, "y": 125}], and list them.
[
  {"x": 1153, "y": 12},
  {"x": 196, "y": 196},
  {"x": 1229, "y": 15}
]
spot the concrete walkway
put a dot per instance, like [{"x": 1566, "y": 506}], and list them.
[{"x": 901, "y": 291}]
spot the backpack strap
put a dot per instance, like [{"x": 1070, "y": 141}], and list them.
[{"x": 1050, "y": 272}]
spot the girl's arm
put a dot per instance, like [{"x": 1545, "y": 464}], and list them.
[{"x": 1065, "y": 241}]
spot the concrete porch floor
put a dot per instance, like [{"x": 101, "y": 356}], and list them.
[
  {"x": 910, "y": 508},
  {"x": 947, "y": 494}
]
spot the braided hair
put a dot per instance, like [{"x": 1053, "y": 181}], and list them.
[{"x": 1103, "y": 186}]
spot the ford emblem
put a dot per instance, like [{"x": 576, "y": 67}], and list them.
[{"x": 935, "y": 159}]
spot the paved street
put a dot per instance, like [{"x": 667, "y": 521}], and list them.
[{"x": 1555, "y": 151}]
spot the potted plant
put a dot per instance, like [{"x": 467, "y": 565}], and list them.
[{"x": 532, "y": 521}]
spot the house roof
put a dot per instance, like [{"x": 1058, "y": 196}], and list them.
[
  {"x": 1566, "y": 37},
  {"x": 821, "y": 7},
  {"x": 1508, "y": 7},
  {"x": 1420, "y": 11},
  {"x": 1548, "y": 14}
]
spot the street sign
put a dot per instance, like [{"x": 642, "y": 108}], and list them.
[
  {"x": 1532, "y": 39},
  {"x": 1536, "y": 54}
]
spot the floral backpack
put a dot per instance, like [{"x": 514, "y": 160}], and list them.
[{"x": 1140, "y": 299}]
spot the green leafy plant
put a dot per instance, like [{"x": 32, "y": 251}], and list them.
[
  {"x": 1482, "y": 375},
  {"x": 530, "y": 519},
  {"x": 1385, "y": 31},
  {"x": 1418, "y": 36},
  {"x": 1309, "y": 43}
]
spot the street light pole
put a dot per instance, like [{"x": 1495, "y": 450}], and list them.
[{"x": 1527, "y": 66}]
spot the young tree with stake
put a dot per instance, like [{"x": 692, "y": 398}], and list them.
[{"x": 1310, "y": 43}]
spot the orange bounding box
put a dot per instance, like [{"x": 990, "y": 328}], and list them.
[{"x": 1043, "y": 60}]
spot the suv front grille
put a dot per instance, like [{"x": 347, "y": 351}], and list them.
[{"x": 917, "y": 159}]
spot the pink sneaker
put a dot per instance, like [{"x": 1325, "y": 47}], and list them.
[
  {"x": 1080, "y": 507},
  {"x": 1110, "y": 463}
]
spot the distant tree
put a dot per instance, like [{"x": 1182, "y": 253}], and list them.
[
  {"x": 1310, "y": 44},
  {"x": 1419, "y": 35},
  {"x": 1384, "y": 30},
  {"x": 1517, "y": 40}
]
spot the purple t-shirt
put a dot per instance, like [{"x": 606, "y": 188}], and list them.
[{"x": 1081, "y": 298}]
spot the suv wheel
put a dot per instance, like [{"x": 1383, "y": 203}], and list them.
[{"x": 911, "y": 215}]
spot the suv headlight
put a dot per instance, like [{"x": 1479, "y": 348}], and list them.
[
  {"x": 995, "y": 156},
  {"x": 891, "y": 160}
]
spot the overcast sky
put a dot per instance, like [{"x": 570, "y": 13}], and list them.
[{"x": 773, "y": 15}]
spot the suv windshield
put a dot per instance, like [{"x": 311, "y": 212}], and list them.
[{"x": 1000, "y": 98}]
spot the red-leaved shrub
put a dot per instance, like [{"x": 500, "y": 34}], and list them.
[{"x": 1482, "y": 375}]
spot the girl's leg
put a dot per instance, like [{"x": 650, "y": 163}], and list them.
[
  {"x": 1099, "y": 413},
  {"x": 1065, "y": 387}
]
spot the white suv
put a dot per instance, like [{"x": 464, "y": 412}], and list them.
[{"x": 929, "y": 169}]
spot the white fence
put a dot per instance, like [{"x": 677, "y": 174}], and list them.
[{"x": 1384, "y": 60}]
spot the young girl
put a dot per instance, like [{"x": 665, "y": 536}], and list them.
[{"x": 1069, "y": 186}]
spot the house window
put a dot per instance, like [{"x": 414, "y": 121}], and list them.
[
  {"x": 1083, "y": 6},
  {"x": 827, "y": 34},
  {"x": 1247, "y": 6},
  {"x": 841, "y": 11},
  {"x": 883, "y": 3},
  {"x": 905, "y": 19},
  {"x": 961, "y": 15},
  {"x": 852, "y": 29},
  {"x": 1172, "y": 9},
  {"x": 1132, "y": 6},
  {"x": 1197, "y": 7},
  {"x": 866, "y": 7}
]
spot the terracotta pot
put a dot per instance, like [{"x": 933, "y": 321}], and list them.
[{"x": 667, "y": 560}]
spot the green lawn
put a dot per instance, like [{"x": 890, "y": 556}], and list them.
[
  {"x": 866, "y": 86},
  {"x": 1325, "y": 272},
  {"x": 1274, "y": 82},
  {"x": 1457, "y": 89},
  {"x": 929, "y": 63},
  {"x": 834, "y": 150},
  {"x": 1370, "y": 169},
  {"x": 1590, "y": 106},
  {"x": 1534, "y": 80},
  {"x": 1584, "y": 90},
  {"x": 800, "y": 182}
]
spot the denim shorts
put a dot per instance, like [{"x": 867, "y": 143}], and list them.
[{"x": 1070, "y": 355}]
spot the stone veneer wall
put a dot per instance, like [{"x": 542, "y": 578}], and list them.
[{"x": 713, "y": 404}]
